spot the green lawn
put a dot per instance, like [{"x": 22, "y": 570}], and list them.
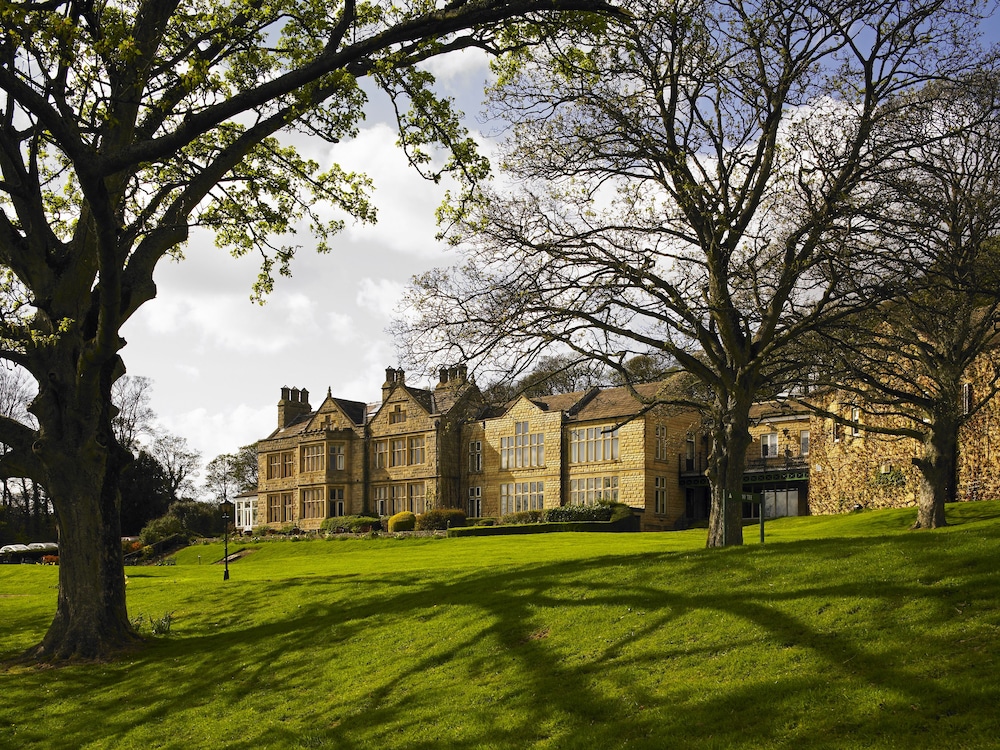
[{"x": 844, "y": 632}]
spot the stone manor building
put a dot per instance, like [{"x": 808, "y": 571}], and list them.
[{"x": 422, "y": 448}]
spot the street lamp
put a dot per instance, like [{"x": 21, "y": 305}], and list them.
[{"x": 225, "y": 543}]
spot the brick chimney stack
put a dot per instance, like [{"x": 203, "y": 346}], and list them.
[
  {"x": 294, "y": 403},
  {"x": 452, "y": 377},
  {"x": 392, "y": 378}
]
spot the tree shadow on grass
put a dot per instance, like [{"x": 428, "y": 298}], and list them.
[{"x": 643, "y": 674}]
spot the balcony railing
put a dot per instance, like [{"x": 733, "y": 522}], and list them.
[
  {"x": 776, "y": 463},
  {"x": 698, "y": 464}
]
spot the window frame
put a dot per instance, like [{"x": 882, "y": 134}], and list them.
[
  {"x": 594, "y": 445},
  {"x": 337, "y": 456},
  {"x": 475, "y": 502},
  {"x": 660, "y": 495},
  {"x": 397, "y": 452},
  {"x": 312, "y": 457},
  {"x": 381, "y": 454},
  {"x": 475, "y": 456},
  {"x": 769, "y": 445},
  {"x": 312, "y": 503},
  {"x": 417, "y": 450},
  {"x": 585, "y": 490},
  {"x": 660, "y": 442}
]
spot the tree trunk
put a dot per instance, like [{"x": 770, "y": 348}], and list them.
[
  {"x": 82, "y": 464},
  {"x": 91, "y": 621},
  {"x": 731, "y": 439},
  {"x": 938, "y": 474}
]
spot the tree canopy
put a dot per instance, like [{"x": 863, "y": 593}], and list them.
[
  {"x": 924, "y": 363},
  {"x": 683, "y": 183},
  {"x": 123, "y": 126}
]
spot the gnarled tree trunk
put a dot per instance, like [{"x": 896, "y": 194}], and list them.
[
  {"x": 81, "y": 464},
  {"x": 938, "y": 472},
  {"x": 727, "y": 461}
]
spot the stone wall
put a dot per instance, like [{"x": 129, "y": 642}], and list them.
[{"x": 859, "y": 471}]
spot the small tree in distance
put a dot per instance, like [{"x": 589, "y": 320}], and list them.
[
  {"x": 179, "y": 461},
  {"x": 222, "y": 482}
]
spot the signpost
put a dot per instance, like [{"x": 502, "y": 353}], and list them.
[{"x": 757, "y": 499}]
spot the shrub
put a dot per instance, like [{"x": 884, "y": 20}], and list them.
[
  {"x": 578, "y": 513},
  {"x": 199, "y": 519},
  {"x": 352, "y": 524},
  {"x": 524, "y": 516},
  {"x": 440, "y": 519},
  {"x": 486, "y": 522},
  {"x": 129, "y": 546},
  {"x": 160, "y": 528},
  {"x": 620, "y": 511},
  {"x": 402, "y": 521}
]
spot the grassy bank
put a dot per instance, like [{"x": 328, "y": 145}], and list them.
[{"x": 846, "y": 632}]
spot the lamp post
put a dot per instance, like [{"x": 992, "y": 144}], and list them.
[{"x": 225, "y": 543}]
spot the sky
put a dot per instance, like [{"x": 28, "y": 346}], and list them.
[{"x": 218, "y": 360}]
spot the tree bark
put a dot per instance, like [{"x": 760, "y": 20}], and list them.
[
  {"x": 91, "y": 621},
  {"x": 730, "y": 441},
  {"x": 82, "y": 464},
  {"x": 938, "y": 473}
]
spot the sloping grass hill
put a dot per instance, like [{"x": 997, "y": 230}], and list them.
[{"x": 843, "y": 632}]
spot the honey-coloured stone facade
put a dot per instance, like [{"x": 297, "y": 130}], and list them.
[
  {"x": 420, "y": 448},
  {"x": 443, "y": 447}
]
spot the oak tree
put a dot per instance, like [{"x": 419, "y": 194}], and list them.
[
  {"x": 925, "y": 363},
  {"x": 126, "y": 123},
  {"x": 682, "y": 184}
]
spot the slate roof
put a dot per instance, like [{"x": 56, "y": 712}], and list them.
[
  {"x": 355, "y": 410},
  {"x": 444, "y": 399},
  {"x": 596, "y": 403},
  {"x": 615, "y": 403},
  {"x": 778, "y": 410}
]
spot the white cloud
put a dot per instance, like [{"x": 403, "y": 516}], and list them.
[
  {"x": 406, "y": 201},
  {"x": 188, "y": 371},
  {"x": 340, "y": 328},
  {"x": 215, "y": 433},
  {"x": 380, "y": 297},
  {"x": 460, "y": 70}
]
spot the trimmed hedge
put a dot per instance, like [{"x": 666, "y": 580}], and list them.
[
  {"x": 351, "y": 524},
  {"x": 440, "y": 519},
  {"x": 622, "y": 525},
  {"x": 402, "y": 521},
  {"x": 578, "y": 513},
  {"x": 523, "y": 516}
]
